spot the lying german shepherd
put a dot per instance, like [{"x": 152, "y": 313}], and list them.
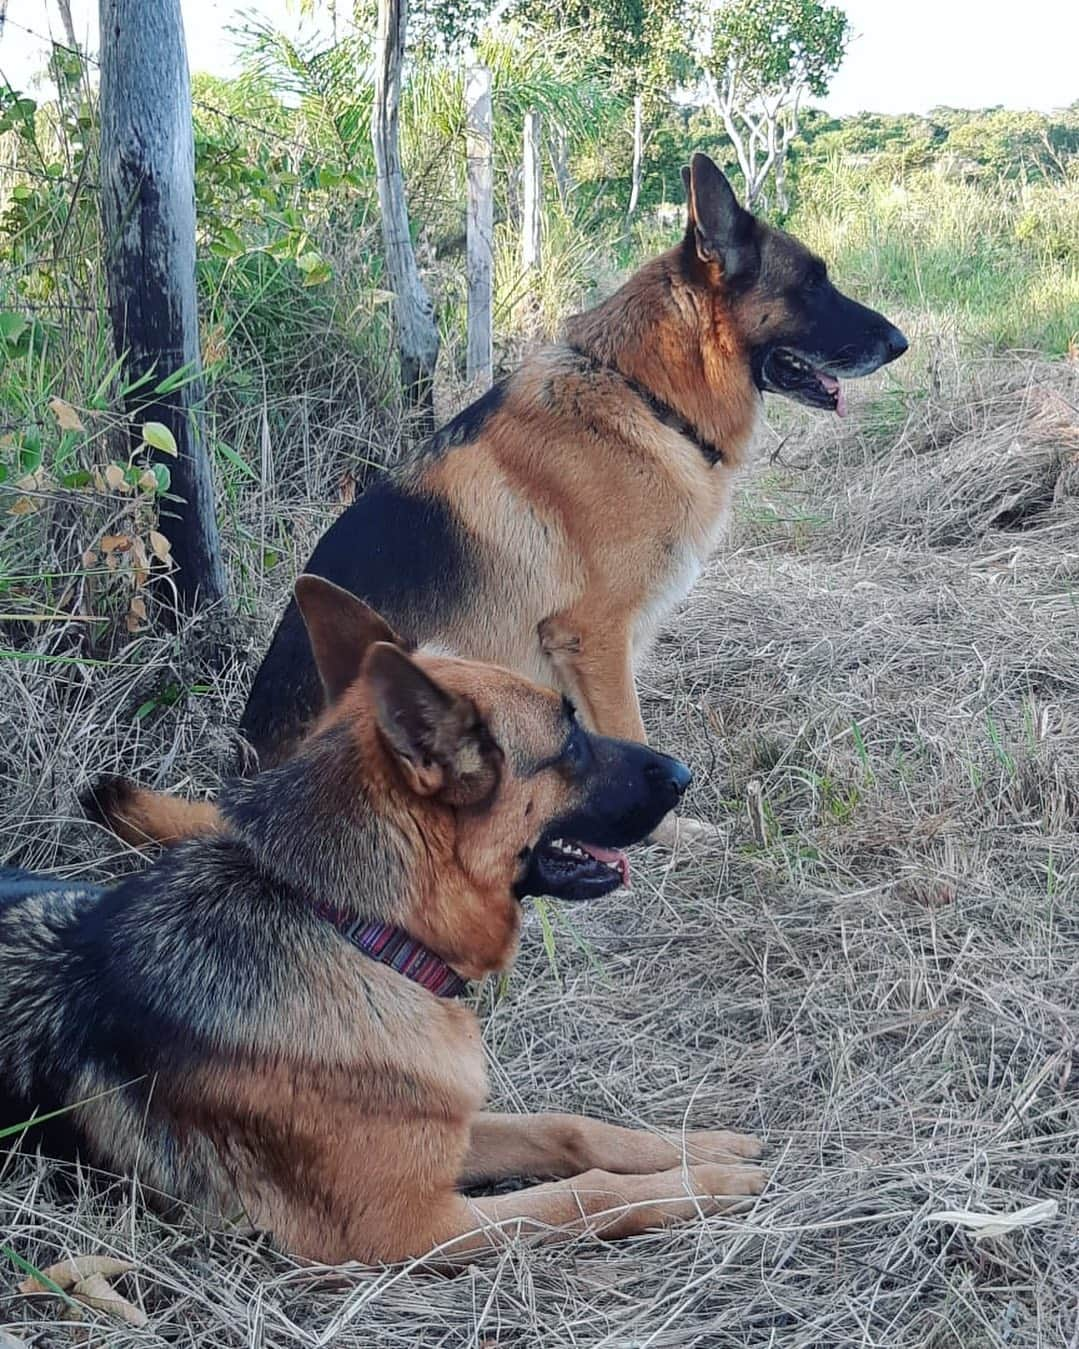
[
  {"x": 264, "y": 1022},
  {"x": 552, "y": 526}
]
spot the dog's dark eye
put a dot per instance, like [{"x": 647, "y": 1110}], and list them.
[{"x": 575, "y": 751}]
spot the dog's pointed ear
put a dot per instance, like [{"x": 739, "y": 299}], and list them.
[
  {"x": 722, "y": 230},
  {"x": 440, "y": 741},
  {"x": 342, "y": 629}
]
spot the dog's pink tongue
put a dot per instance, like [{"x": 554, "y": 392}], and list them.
[
  {"x": 833, "y": 386},
  {"x": 612, "y": 856}
]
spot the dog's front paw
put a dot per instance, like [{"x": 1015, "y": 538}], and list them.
[{"x": 724, "y": 1186}]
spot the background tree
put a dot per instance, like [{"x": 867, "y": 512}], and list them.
[
  {"x": 643, "y": 43},
  {"x": 766, "y": 56},
  {"x": 417, "y": 332},
  {"x": 148, "y": 213}
]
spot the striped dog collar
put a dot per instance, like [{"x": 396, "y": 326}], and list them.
[{"x": 394, "y": 947}]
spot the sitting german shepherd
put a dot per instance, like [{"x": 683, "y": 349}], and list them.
[
  {"x": 264, "y": 1022},
  {"x": 553, "y": 525}
]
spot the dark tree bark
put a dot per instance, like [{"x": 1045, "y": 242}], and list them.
[
  {"x": 417, "y": 332},
  {"x": 148, "y": 207}
]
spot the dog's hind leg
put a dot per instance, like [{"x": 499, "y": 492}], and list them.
[{"x": 555, "y": 1145}]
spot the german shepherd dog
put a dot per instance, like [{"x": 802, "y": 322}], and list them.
[
  {"x": 552, "y": 526},
  {"x": 263, "y": 1022}
]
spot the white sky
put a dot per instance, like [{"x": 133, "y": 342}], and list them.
[{"x": 907, "y": 56}]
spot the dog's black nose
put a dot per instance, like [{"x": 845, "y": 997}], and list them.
[
  {"x": 668, "y": 778},
  {"x": 895, "y": 343}
]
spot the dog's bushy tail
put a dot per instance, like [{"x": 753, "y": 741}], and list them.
[{"x": 140, "y": 816}]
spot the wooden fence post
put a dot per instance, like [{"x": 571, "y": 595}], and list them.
[
  {"x": 148, "y": 210},
  {"x": 531, "y": 238},
  {"x": 480, "y": 227}
]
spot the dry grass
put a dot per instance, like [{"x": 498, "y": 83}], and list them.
[{"x": 879, "y": 972}]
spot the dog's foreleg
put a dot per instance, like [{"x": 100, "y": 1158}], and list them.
[
  {"x": 597, "y": 1203},
  {"x": 594, "y": 665},
  {"x": 501, "y": 1146}
]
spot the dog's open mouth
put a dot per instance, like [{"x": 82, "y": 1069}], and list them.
[
  {"x": 784, "y": 371},
  {"x": 563, "y": 868}
]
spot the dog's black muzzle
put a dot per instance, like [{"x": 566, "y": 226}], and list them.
[
  {"x": 627, "y": 790},
  {"x": 835, "y": 338}
]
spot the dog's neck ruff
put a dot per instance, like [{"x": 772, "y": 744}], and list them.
[
  {"x": 393, "y": 946},
  {"x": 663, "y": 412}
]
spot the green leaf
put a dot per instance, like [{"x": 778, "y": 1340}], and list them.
[
  {"x": 158, "y": 435},
  {"x": 12, "y": 326},
  {"x": 163, "y": 476},
  {"x": 236, "y": 460},
  {"x": 185, "y": 375},
  {"x": 318, "y": 276},
  {"x": 30, "y": 456},
  {"x": 547, "y": 929}
]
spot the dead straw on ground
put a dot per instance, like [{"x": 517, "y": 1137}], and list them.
[{"x": 876, "y": 967}]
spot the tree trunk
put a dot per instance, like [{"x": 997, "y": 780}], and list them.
[
  {"x": 148, "y": 211},
  {"x": 417, "y": 333},
  {"x": 480, "y": 228},
  {"x": 532, "y": 175},
  {"x": 638, "y": 152},
  {"x": 783, "y": 201},
  {"x": 64, "y": 7}
]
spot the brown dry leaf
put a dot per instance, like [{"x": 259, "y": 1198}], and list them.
[
  {"x": 214, "y": 347},
  {"x": 112, "y": 561},
  {"x": 147, "y": 482},
  {"x": 97, "y": 1293},
  {"x": 346, "y": 489},
  {"x": 89, "y": 558},
  {"x": 66, "y": 1273},
  {"x": 139, "y": 553},
  {"x": 24, "y": 506},
  {"x": 112, "y": 543},
  {"x": 65, "y": 415},
  {"x": 161, "y": 547},
  {"x": 114, "y": 477}
]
